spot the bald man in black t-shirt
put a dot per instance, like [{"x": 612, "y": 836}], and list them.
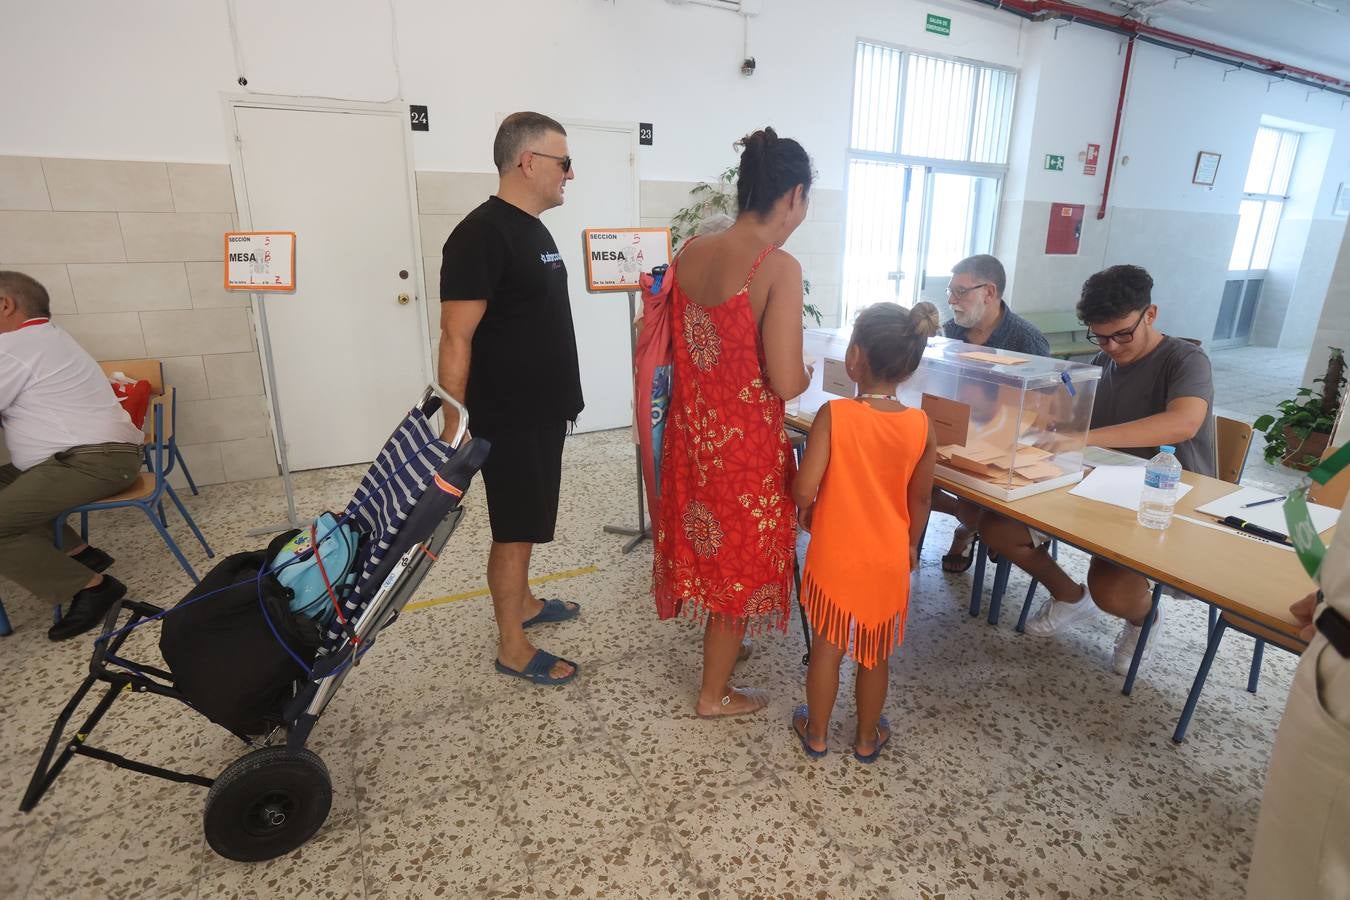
[{"x": 509, "y": 351}]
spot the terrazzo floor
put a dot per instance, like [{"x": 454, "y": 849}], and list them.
[{"x": 1017, "y": 769}]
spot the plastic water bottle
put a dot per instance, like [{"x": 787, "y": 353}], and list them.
[{"x": 1161, "y": 478}]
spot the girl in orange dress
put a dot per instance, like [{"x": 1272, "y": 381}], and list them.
[
  {"x": 864, "y": 491},
  {"x": 725, "y": 524}
]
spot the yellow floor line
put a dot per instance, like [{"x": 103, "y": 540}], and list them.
[{"x": 483, "y": 592}]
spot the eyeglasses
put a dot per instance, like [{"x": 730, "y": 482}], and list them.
[
  {"x": 564, "y": 161},
  {"x": 960, "y": 293},
  {"x": 1120, "y": 337}
]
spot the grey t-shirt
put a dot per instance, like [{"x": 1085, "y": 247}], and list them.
[
  {"x": 1145, "y": 387},
  {"x": 1011, "y": 333}
]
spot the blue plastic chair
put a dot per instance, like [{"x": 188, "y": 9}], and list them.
[{"x": 149, "y": 490}]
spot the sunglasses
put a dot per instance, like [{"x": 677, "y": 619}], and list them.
[
  {"x": 1119, "y": 337},
  {"x": 564, "y": 161}
]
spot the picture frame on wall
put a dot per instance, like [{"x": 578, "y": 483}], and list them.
[
  {"x": 1206, "y": 168},
  {"x": 1342, "y": 205}
]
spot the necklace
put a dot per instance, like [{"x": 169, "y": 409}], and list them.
[{"x": 876, "y": 396}]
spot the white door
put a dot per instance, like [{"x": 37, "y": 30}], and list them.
[
  {"x": 350, "y": 357},
  {"x": 603, "y": 195}
]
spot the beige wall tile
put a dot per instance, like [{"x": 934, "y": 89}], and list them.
[
  {"x": 826, "y": 206},
  {"x": 106, "y": 335},
  {"x": 188, "y": 376},
  {"x": 431, "y": 271},
  {"x": 249, "y": 459},
  {"x": 206, "y": 283},
  {"x": 60, "y": 237},
  {"x": 203, "y": 460},
  {"x": 95, "y": 185},
  {"x": 127, "y": 287},
  {"x": 57, "y": 282},
  {"x": 224, "y": 419},
  {"x": 197, "y": 331},
  {"x": 22, "y": 184},
  {"x": 662, "y": 199},
  {"x": 234, "y": 374},
  {"x": 435, "y": 229},
  {"x": 816, "y": 237},
  {"x": 173, "y": 237},
  {"x": 201, "y": 188},
  {"x": 453, "y": 193}
]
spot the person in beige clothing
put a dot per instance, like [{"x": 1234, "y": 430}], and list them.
[{"x": 1303, "y": 834}]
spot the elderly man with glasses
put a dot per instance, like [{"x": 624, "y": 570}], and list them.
[
  {"x": 1155, "y": 390},
  {"x": 980, "y": 316}
]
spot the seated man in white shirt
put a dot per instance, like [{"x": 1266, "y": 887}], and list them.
[{"x": 70, "y": 442}]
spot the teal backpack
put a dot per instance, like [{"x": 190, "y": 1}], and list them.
[{"x": 304, "y": 576}]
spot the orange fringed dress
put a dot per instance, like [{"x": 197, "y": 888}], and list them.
[
  {"x": 855, "y": 588},
  {"x": 726, "y": 523}
]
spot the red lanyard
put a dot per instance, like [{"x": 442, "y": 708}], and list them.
[{"x": 41, "y": 321}]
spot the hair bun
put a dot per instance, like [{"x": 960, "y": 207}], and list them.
[{"x": 924, "y": 319}]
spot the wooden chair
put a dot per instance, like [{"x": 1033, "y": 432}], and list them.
[
  {"x": 147, "y": 491},
  {"x": 1232, "y": 439},
  {"x": 1333, "y": 492},
  {"x": 152, "y": 370}
]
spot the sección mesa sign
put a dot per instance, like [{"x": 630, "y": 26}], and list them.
[
  {"x": 615, "y": 257},
  {"x": 260, "y": 260}
]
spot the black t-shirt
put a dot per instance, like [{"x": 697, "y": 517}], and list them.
[{"x": 524, "y": 369}]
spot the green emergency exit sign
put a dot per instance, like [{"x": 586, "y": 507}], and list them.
[
  {"x": 939, "y": 25},
  {"x": 1054, "y": 163}
]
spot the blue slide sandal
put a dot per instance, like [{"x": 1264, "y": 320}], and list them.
[
  {"x": 537, "y": 670},
  {"x": 553, "y": 611}
]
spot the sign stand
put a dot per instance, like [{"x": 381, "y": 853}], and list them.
[
  {"x": 643, "y": 530},
  {"x": 615, "y": 257},
  {"x": 292, "y": 521},
  {"x": 261, "y": 262}
]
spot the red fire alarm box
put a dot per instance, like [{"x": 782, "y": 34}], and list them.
[{"x": 1066, "y": 227}]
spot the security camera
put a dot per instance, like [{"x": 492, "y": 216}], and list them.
[{"x": 748, "y": 66}]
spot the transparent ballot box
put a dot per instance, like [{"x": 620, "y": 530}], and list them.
[{"x": 1007, "y": 424}]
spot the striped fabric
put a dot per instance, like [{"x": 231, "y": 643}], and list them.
[{"x": 391, "y": 487}]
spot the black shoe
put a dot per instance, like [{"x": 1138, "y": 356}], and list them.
[
  {"x": 94, "y": 559},
  {"x": 87, "y": 609}
]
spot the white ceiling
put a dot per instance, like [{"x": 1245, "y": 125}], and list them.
[{"x": 1313, "y": 34}]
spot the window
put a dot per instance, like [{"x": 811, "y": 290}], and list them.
[
  {"x": 1264, "y": 195},
  {"x": 928, "y": 149}
]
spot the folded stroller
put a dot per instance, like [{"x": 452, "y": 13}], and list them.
[{"x": 276, "y": 796}]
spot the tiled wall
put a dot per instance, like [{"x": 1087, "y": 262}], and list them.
[{"x": 131, "y": 255}]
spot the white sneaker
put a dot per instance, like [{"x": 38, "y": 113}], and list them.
[
  {"x": 1129, "y": 639},
  {"x": 1055, "y": 615}
]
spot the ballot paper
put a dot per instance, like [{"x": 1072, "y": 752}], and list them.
[
  {"x": 1268, "y": 515},
  {"x": 1121, "y": 486}
]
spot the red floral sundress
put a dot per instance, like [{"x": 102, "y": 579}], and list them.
[{"x": 726, "y": 527}]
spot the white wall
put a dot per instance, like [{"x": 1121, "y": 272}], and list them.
[{"x": 141, "y": 80}]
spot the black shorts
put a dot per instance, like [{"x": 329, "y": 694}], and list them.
[{"x": 523, "y": 476}]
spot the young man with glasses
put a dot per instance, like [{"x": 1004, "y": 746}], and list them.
[
  {"x": 505, "y": 309},
  {"x": 980, "y": 316},
  {"x": 1155, "y": 390}
]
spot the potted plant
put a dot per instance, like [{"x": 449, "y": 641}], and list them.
[
  {"x": 713, "y": 201},
  {"x": 1297, "y": 435}
]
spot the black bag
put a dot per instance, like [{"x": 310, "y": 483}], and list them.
[{"x": 225, "y": 659}]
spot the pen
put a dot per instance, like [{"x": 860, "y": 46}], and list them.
[
  {"x": 1262, "y": 502},
  {"x": 1242, "y": 525}
]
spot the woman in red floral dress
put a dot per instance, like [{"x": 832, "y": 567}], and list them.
[{"x": 726, "y": 524}]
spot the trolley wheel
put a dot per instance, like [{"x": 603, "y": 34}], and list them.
[{"x": 267, "y": 803}]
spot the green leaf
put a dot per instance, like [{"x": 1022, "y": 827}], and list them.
[{"x": 1263, "y": 423}]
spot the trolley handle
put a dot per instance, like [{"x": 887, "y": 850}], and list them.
[{"x": 463, "y": 429}]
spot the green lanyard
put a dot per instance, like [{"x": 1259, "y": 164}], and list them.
[{"x": 1302, "y": 534}]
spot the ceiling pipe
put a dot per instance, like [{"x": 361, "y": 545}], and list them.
[
  {"x": 1046, "y": 10},
  {"x": 1115, "y": 131}
]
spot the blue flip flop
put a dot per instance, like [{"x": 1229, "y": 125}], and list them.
[
  {"x": 803, "y": 712},
  {"x": 872, "y": 757},
  {"x": 537, "y": 670},
  {"x": 553, "y": 611}
]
